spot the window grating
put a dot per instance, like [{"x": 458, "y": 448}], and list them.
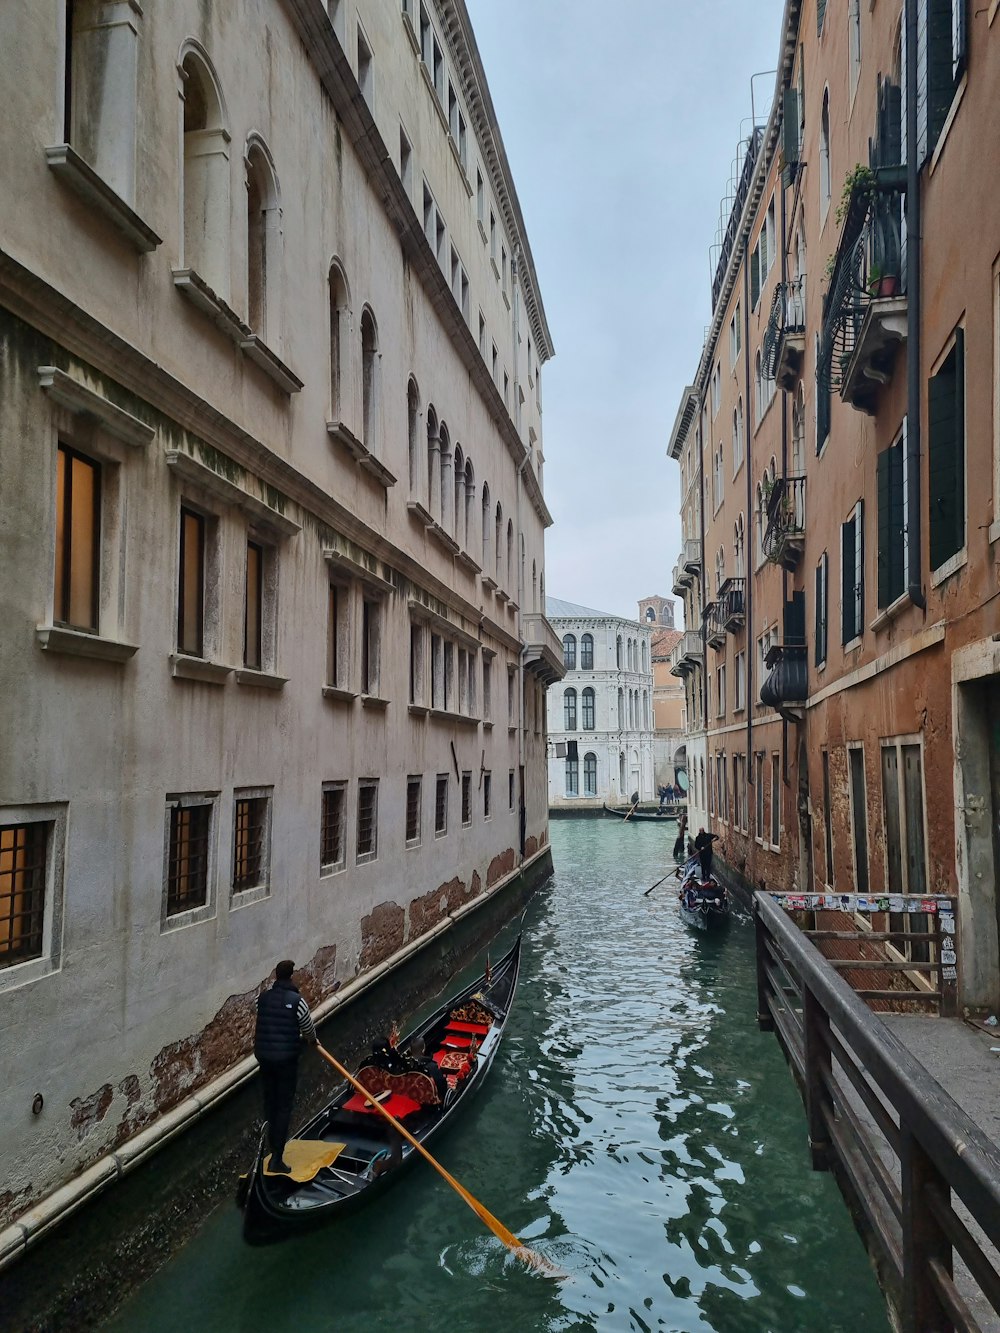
[
  {"x": 413, "y": 810},
  {"x": 187, "y": 863},
  {"x": 441, "y": 805},
  {"x": 466, "y": 798},
  {"x": 22, "y": 891},
  {"x": 332, "y": 828},
  {"x": 367, "y": 818},
  {"x": 248, "y": 842}
]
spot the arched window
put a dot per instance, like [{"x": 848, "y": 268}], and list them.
[
  {"x": 487, "y": 522},
  {"x": 541, "y": 591},
  {"x": 206, "y": 174},
  {"x": 369, "y": 381},
  {"x": 720, "y": 566},
  {"x": 645, "y": 657},
  {"x": 569, "y": 652},
  {"x": 824, "y": 157},
  {"x": 445, "y": 502},
  {"x": 534, "y": 586},
  {"x": 510, "y": 554},
  {"x": 621, "y": 771},
  {"x": 263, "y": 243},
  {"x": 588, "y": 709},
  {"x": 618, "y": 647},
  {"x": 631, "y": 710},
  {"x": 340, "y": 320},
  {"x": 572, "y": 777},
  {"x": 455, "y": 518},
  {"x": 433, "y": 468},
  {"x": 621, "y": 709},
  {"x": 590, "y": 774},
  {"x": 760, "y": 517},
  {"x": 737, "y": 436},
  {"x": 645, "y": 709},
  {"x": 569, "y": 710},
  {"x": 739, "y": 544},
  {"x": 587, "y": 652},
  {"x": 413, "y": 435},
  {"x": 758, "y": 382},
  {"x": 499, "y": 538},
  {"x": 470, "y": 500},
  {"x": 799, "y": 431}
]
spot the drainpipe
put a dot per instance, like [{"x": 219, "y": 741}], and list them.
[
  {"x": 704, "y": 627},
  {"x": 913, "y": 258},
  {"x": 522, "y": 817},
  {"x": 784, "y": 465},
  {"x": 750, "y": 531}
]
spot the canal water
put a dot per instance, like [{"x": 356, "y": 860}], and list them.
[{"x": 636, "y": 1129}]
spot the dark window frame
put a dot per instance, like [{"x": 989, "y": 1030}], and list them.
[
  {"x": 201, "y": 525},
  {"x": 253, "y": 635},
  {"x": 333, "y": 828},
  {"x": 63, "y": 580},
  {"x": 189, "y": 839},
  {"x": 414, "y": 810},
  {"x": 441, "y": 806},
  {"x": 24, "y": 869},
  {"x": 366, "y": 848},
  {"x": 250, "y": 842}
]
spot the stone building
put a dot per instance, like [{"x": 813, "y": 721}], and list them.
[
  {"x": 600, "y": 721},
  {"x": 274, "y": 658},
  {"x": 840, "y": 474},
  {"x": 669, "y": 756}
]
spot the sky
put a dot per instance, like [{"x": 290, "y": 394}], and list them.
[{"x": 621, "y": 123}]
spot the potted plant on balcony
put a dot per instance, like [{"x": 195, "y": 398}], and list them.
[{"x": 880, "y": 283}]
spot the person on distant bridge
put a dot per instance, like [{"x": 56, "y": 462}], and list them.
[{"x": 283, "y": 1024}]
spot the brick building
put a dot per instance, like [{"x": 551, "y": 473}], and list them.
[{"x": 841, "y": 474}]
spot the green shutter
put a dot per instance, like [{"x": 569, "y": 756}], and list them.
[
  {"x": 820, "y": 11},
  {"x": 859, "y": 568},
  {"x": 884, "y": 525},
  {"x": 940, "y": 73},
  {"x": 848, "y": 558},
  {"x": 946, "y": 456},
  {"x": 790, "y": 125},
  {"x": 897, "y": 533},
  {"x": 820, "y": 641},
  {"x": 754, "y": 278}
]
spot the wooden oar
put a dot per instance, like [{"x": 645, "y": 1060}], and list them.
[
  {"x": 528, "y": 1256},
  {"x": 631, "y": 813},
  {"x": 658, "y": 883}
]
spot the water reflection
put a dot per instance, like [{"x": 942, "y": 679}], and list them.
[{"x": 636, "y": 1129}]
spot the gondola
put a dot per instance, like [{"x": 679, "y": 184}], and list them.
[
  {"x": 348, "y": 1154},
  {"x": 670, "y": 813},
  {"x": 703, "y": 903}
]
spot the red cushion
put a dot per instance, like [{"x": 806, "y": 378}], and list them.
[
  {"x": 396, "y": 1105},
  {"x": 456, "y": 1042},
  {"x": 453, "y": 1060},
  {"x": 479, "y": 1029}
]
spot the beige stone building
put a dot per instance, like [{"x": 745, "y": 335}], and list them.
[
  {"x": 841, "y": 474},
  {"x": 274, "y": 655}
]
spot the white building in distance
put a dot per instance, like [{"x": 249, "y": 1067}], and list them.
[
  {"x": 600, "y": 717},
  {"x": 273, "y": 660}
]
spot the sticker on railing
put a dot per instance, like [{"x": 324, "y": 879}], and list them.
[{"x": 857, "y": 902}]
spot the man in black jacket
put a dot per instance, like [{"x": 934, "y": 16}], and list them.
[{"x": 283, "y": 1023}]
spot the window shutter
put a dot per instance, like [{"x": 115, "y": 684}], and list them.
[
  {"x": 946, "y": 456},
  {"x": 859, "y": 568},
  {"x": 820, "y": 641},
  {"x": 848, "y": 537},
  {"x": 822, "y": 412},
  {"x": 790, "y": 125},
  {"x": 884, "y": 464},
  {"x": 897, "y": 518},
  {"x": 754, "y": 278},
  {"x": 820, "y": 12},
  {"x": 940, "y": 76},
  {"x": 795, "y": 618}
]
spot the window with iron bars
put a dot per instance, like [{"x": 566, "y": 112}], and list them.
[
  {"x": 332, "y": 850},
  {"x": 413, "y": 791},
  {"x": 23, "y": 852},
  {"x": 441, "y": 805},
  {"x": 367, "y": 819},
  {"x": 187, "y": 856},
  {"x": 466, "y": 798},
  {"x": 249, "y": 843}
]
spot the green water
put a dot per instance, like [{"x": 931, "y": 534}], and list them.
[{"x": 636, "y": 1129}]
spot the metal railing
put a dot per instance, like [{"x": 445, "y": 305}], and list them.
[
  {"x": 788, "y": 316},
  {"x": 786, "y": 517},
  {"x": 922, "y": 1176},
  {"x": 732, "y": 604},
  {"x": 788, "y": 678}
]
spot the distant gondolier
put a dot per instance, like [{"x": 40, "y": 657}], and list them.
[
  {"x": 681, "y": 830},
  {"x": 283, "y": 1024}
]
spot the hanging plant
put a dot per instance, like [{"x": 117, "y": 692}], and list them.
[{"x": 860, "y": 179}]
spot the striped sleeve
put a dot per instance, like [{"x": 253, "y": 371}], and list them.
[{"x": 307, "y": 1027}]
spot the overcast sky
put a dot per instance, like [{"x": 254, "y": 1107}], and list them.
[{"x": 621, "y": 122}]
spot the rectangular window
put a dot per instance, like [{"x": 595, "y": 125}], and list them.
[
  {"x": 23, "y": 856},
  {"x": 735, "y": 336},
  {"x": 510, "y": 789},
  {"x": 78, "y": 540},
  {"x": 463, "y": 681},
  {"x": 452, "y": 111},
  {"x": 333, "y": 848},
  {"x": 892, "y": 526},
  {"x": 495, "y": 363},
  {"x": 902, "y": 794},
  {"x": 449, "y": 676},
  {"x": 405, "y": 161},
  {"x": 366, "y": 76},
  {"x": 511, "y": 715},
  {"x": 367, "y": 820},
  {"x": 852, "y": 605},
  {"x": 859, "y": 816},
  {"x": 441, "y": 805},
  {"x": 370, "y": 646},
  {"x": 425, "y": 37},
  {"x": 721, "y": 691},
  {"x": 466, "y": 799},
  {"x": 946, "y": 454},
  {"x": 437, "y": 69},
  {"x": 437, "y": 671},
  {"x": 821, "y": 609},
  {"x": 414, "y": 787},
  {"x": 741, "y": 682},
  {"x": 417, "y": 636},
  {"x": 250, "y": 843},
  {"x": 253, "y": 609},
  {"x": 482, "y": 336},
  {"x": 827, "y": 819},
  {"x": 463, "y": 143},
  {"x": 188, "y": 852},
  {"x": 337, "y": 653},
  {"x": 572, "y": 777},
  {"x": 480, "y": 197},
  {"x": 487, "y": 795},
  {"x": 487, "y": 688},
  {"x": 759, "y": 829},
  {"x": 822, "y": 404},
  {"x": 191, "y": 585},
  {"x": 493, "y": 238},
  {"x": 775, "y": 800}
]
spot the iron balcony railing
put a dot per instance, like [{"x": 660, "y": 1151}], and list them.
[
  {"x": 784, "y": 535},
  {"x": 728, "y": 238},
  {"x": 687, "y": 654},
  {"x": 732, "y": 603},
  {"x": 787, "y": 681},
  {"x": 785, "y": 335},
  {"x": 715, "y": 627},
  {"x": 691, "y": 556},
  {"x": 870, "y": 265}
]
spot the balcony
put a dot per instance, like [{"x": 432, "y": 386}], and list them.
[
  {"x": 682, "y": 580},
  {"x": 687, "y": 654},
  {"x": 715, "y": 629},
  {"x": 691, "y": 557},
  {"x": 864, "y": 314},
  {"x": 785, "y": 534},
  {"x": 733, "y": 604},
  {"x": 785, "y": 336},
  {"x": 543, "y": 652},
  {"x": 787, "y": 683}
]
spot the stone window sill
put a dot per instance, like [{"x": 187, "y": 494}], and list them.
[
  {"x": 958, "y": 561},
  {"x": 85, "y": 402},
  {"x": 79, "y": 176},
  {"x": 194, "y": 917},
  {"x": 443, "y": 538},
  {"x": 467, "y": 562},
  {"x": 411, "y": 35},
  {"x": 994, "y": 532},
  {"x": 374, "y": 701},
  {"x": 461, "y": 719},
  {"x": 416, "y": 510},
  {"x": 247, "y": 897},
  {"x": 338, "y": 695},
  {"x": 265, "y": 680},
  {"x": 77, "y": 643},
  {"x": 890, "y": 613},
  {"x": 195, "y": 289},
  {"x": 360, "y": 452},
  {"x": 183, "y": 667},
  {"x": 488, "y": 583},
  {"x": 482, "y": 230},
  {"x": 487, "y": 725},
  {"x": 418, "y": 710}
]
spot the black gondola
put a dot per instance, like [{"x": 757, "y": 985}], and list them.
[
  {"x": 703, "y": 903},
  {"x": 348, "y": 1153},
  {"x": 670, "y": 813}
]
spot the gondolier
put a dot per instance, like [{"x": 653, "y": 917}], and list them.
[{"x": 283, "y": 1024}]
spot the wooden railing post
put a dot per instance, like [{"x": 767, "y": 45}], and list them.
[
  {"x": 923, "y": 1239},
  {"x": 764, "y": 1020},
  {"x": 817, "y": 1065}
]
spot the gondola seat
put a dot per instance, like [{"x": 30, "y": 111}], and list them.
[
  {"x": 474, "y": 1029},
  {"x": 415, "y": 1087}
]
